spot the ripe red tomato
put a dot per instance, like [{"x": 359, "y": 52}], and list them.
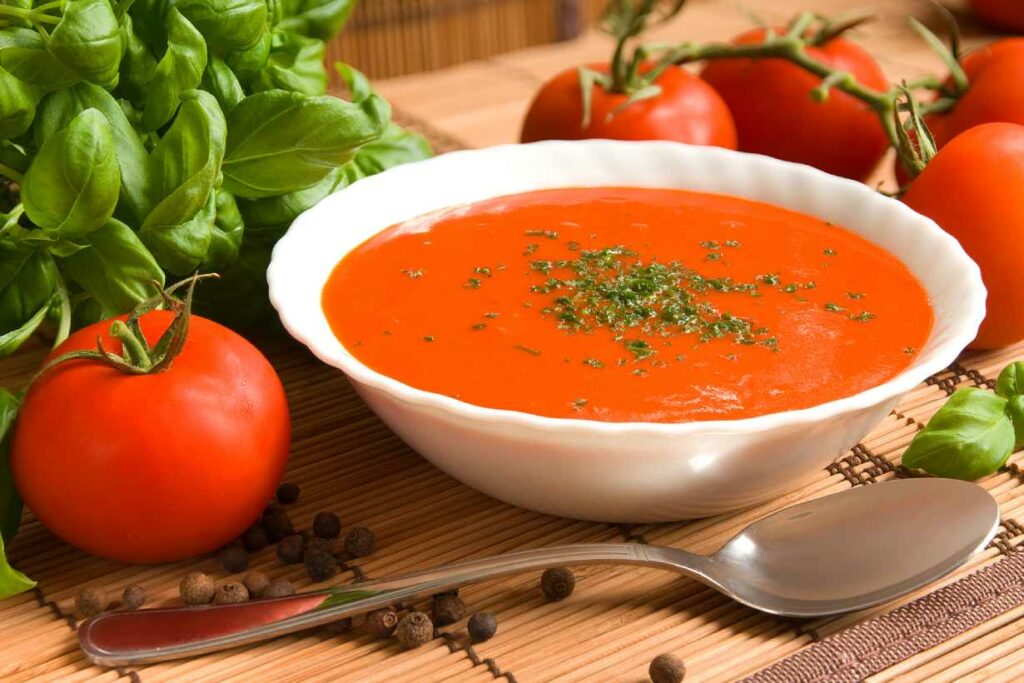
[
  {"x": 775, "y": 115},
  {"x": 996, "y": 93},
  {"x": 974, "y": 189},
  {"x": 156, "y": 467},
  {"x": 1007, "y": 15},
  {"x": 687, "y": 110}
]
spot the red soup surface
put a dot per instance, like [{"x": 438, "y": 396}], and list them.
[{"x": 628, "y": 304}]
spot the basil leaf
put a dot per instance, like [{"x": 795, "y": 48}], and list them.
[
  {"x": 10, "y": 501},
  {"x": 396, "y": 146},
  {"x": 17, "y": 105},
  {"x": 88, "y": 41},
  {"x": 247, "y": 62},
  {"x": 969, "y": 437},
  {"x": 28, "y": 279},
  {"x": 296, "y": 63},
  {"x": 1011, "y": 380},
  {"x": 116, "y": 269},
  {"x": 267, "y": 219},
  {"x": 239, "y": 297},
  {"x": 321, "y": 19},
  {"x": 221, "y": 82},
  {"x": 279, "y": 142},
  {"x": 12, "y": 581},
  {"x": 1015, "y": 411},
  {"x": 73, "y": 184},
  {"x": 138, "y": 65},
  {"x": 275, "y": 12},
  {"x": 179, "y": 249},
  {"x": 185, "y": 163},
  {"x": 226, "y": 24},
  {"x": 23, "y": 53},
  {"x": 179, "y": 70},
  {"x": 12, "y": 340},
  {"x": 59, "y": 108},
  {"x": 226, "y": 240}
]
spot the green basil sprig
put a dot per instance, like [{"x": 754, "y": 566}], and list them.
[{"x": 975, "y": 432}]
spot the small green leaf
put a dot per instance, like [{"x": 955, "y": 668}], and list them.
[
  {"x": 116, "y": 269},
  {"x": 12, "y": 340},
  {"x": 221, "y": 82},
  {"x": 1011, "y": 380},
  {"x": 23, "y": 53},
  {"x": 179, "y": 248},
  {"x": 279, "y": 142},
  {"x": 88, "y": 41},
  {"x": 10, "y": 501},
  {"x": 12, "y": 581},
  {"x": 226, "y": 24},
  {"x": 179, "y": 70},
  {"x": 28, "y": 278},
  {"x": 296, "y": 64},
  {"x": 17, "y": 105},
  {"x": 247, "y": 62},
  {"x": 138, "y": 65},
  {"x": 1015, "y": 409},
  {"x": 969, "y": 437},
  {"x": 321, "y": 19},
  {"x": 74, "y": 182},
  {"x": 227, "y": 234}
]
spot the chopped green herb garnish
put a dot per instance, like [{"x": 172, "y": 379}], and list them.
[
  {"x": 769, "y": 278},
  {"x": 731, "y": 356},
  {"x": 811, "y": 285},
  {"x": 579, "y": 404},
  {"x": 593, "y": 362},
  {"x": 829, "y": 252},
  {"x": 713, "y": 256},
  {"x": 429, "y": 338},
  {"x": 835, "y": 308},
  {"x": 479, "y": 326},
  {"x": 412, "y": 274},
  {"x": 863, "y": 316},
  {"x": 531, "y": 249},
  {"x": 711, "y": 244},
  {"x": 491, "y": 315},
  {"x": 680, "y": 357},
  {"x": 790, "y": 288},
  {"x": 573, "y": 245},
  {"x": 473, "y": 283},
  {"x": 639, "y": 348},
  {"x": 909, "y": 350},
  {"x": 483, "y": 270},
  {"x": 527, "y": 349},
  {"x": 856, "y": 296},
  {"x": 549, "y": 234},
  {"x": 640, "y": 372},
  {"x": 732, "y": 243}
]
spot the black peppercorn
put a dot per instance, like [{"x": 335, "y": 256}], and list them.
[
  {"x": 667, "y": 668},
  {"x": 255, "y": 538},
  {"x": 482, "y": 626},
  {"x": 231, "y": 593},
  {"x": 133, "y": 597},
  {"x": 381, "y": 623},
  {"x": 278, "y": 525},
  {"x": 326, "y": 525},
  {"x": 320, "y": 564},
  {"x": 279, "y": 588},
  {"x": 340, "y": 626},
  {"x": 316, "y": 544},
  {"x": 234, "y": 558},
  {"x": 414, "y": 629},
  {"x": 447, "y": 609},
  {"x": 359, "y": 542},
  {"x": 288, "y": 493},
  {"x": 91, "y": 601},
  {"x": 256, "y": 582},
  {"x": 291, "y": 549},
  {"x": 557, "y": 583},
  {"x": 196, "y": 589}
]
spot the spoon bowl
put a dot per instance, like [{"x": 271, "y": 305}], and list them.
[{"x": 834, "y": 554}]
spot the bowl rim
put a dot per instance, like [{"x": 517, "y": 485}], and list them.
[{"x": 333, "y": 352}]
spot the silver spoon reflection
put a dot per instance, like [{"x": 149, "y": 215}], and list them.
[{"x": 834, "y": 554}]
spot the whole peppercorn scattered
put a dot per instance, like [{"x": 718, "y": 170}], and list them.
[
  {"x": 231, "y": 593},
  {"x": 278, "y": 525},
  {"x": 447, "y": 609},
  {"x": 287, "y": 493},
  {"x": 340, "y": 626},
  {"x": 414, "y": 629},
  {"x": 326, "y": 525},
  {"x": 279, "y": 588},
  {"x": 197, "y": 589},
  {"x": 317, "y": 545},
  {"x": 234, "y": 558},
  {"x": 255, "y": 538},
  {"x": 133, "y": 597},
  {"x": 291, "y": 549},
  {"x": 557, "y": 583},
  {"x": 482, "y": 626},
  {"x": 381, "y": 623},
  {"x": 320, "y": 564},
  {"x": 256, "y": 583},
  {"x": 359, "y": 542},
  {"x": 272, "y": 508},
  {"x": 667, "y": 668},
  {"x": 91, "y": 601}
]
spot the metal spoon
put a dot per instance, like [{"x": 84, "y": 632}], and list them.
[{"x": 834, "y": 554}]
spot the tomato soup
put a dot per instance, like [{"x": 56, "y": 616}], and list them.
[{"x": 628, "y": 304}]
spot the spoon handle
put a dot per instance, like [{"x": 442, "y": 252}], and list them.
[{"x": 124, "y": 638}]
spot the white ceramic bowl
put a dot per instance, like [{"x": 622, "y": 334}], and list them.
[{"x": 635, "y": 472}]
